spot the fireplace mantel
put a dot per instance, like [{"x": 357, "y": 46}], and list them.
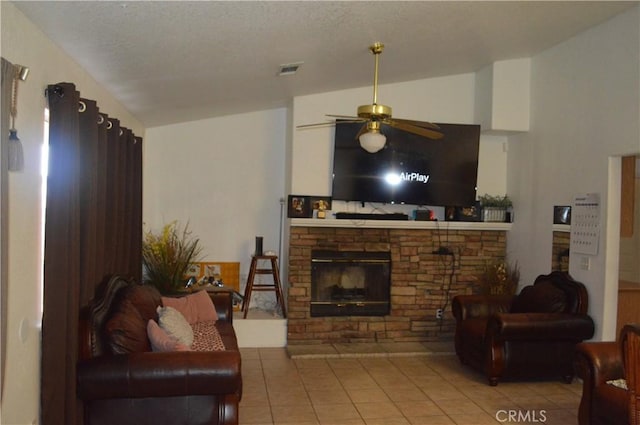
[{"x": 397, "y": 224}]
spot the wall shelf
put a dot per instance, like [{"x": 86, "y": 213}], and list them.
[{"x": 399, "y": 224}]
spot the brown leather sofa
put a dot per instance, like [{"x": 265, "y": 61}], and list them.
[
  {"x": 529, "y": 335},
  {"x": 600, "y": 363},
  {"x": 121, "y": 381}
]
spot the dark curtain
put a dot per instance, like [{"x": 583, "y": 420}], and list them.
[
  {"x": 8, "y": 72},
  {"x": 93, "y": 228}
]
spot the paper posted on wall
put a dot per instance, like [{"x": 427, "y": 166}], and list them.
[{"x": 585, "y": 224}]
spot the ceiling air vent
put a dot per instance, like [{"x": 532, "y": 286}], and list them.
[{"x": 290, "y": 68}]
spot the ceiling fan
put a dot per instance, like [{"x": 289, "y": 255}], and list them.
[{"x": 374, "y": 116}]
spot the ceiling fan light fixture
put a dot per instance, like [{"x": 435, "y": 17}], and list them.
[{"x": 372, "y": 141}]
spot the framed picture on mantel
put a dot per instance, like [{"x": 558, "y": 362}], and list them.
[
  {"x": 299, "y": 206},
  {"x": 471, "y": 213}
]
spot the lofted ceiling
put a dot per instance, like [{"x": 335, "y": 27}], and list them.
[{"x": 176, "y": 61}]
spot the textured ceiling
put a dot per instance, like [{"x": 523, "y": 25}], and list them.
[{"x": 175, "y": 61}]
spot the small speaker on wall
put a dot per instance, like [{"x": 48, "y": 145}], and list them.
[{"x": 258, "y": 245}]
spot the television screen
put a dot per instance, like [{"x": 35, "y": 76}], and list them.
[{"x": 410, "y": 169}]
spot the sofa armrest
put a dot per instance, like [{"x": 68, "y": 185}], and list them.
[
  {"x": 540, "y": 326},
  {"x": 223, "y": 301},
  {"x": 598, "y": 362},
  {"x": 469, "y": 306},
  {"x": 150, "y": 374}
]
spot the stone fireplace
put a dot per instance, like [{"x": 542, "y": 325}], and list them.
[
  {"x": 350, "y": 283},
  {"x": 421, "y": 281}
]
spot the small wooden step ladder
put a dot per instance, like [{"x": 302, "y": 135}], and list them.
[{"x": 276, "y": 286}]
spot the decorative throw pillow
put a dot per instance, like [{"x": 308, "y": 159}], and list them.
[
  {"x": 196, "y": 307},
  {"x": 161, "y": 341},
  {"x": 620, "y": 383},
  {"x": 206, "y": 337},
  {"x": 175, "y": 325},
  {"x": 125, "y": 331}
]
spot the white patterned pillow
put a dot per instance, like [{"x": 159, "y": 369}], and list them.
[{"x": 175, "y": 325}]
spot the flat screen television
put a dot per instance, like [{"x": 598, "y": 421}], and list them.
[{"x": 410, "y": 169}]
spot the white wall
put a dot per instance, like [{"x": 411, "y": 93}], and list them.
[
  {"x": 585, "y": 109},
  {"x": 225, "y": 176},
  {"x": 23, "y": 43},
  {"x": 447, "y": 99}
]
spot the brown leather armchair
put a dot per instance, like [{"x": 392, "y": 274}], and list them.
[
  {"x": 121, "y": 381},
  {"x": 529, "y": 335},
  {"x": 599, "y": 364}
]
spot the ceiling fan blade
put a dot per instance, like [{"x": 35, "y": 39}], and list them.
[
  {"x": 347, "y": 117},
  {"x": 318, "y": 124},
  {"x": 420, "y": 131},
  {"x": 328, "y": 123},
  {"x": 418, "y": 123}
]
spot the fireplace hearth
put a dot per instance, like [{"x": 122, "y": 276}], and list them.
[{"x": 350, "y": 283}]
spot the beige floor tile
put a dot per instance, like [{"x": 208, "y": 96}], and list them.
[
  {"x": 533, "y": 402},
  {"x": 378, "y": 410},
  {"x": 339, "y": 364},
  {"x": 360, "y": 381},
  {"x": 297, "y": 423},
  {"x": 304, "y": 363},
  {"x": 334, "y": 396},
  {"x": 561, "y": 417},
  {"x": 459, "y": 407},
  {"x": 273, "y": 353},
  {"x": 432, "y": 420},
  {"x": 255, "y": 414},
  {"x": 444, "y": 394},
  {"x": 321, "y": 382},
  {"x": 254, "y": 397},
  {"x": 405, "y": 394},
  {"x": 431, "y": 382},
  {"x": 474, "y": 419},
  {"x": 249, "y": 353},
  {"x": 294, "y": 413},
  {"x": 344, "y": 422},
  {"x": 289, "y": 398},
  {"x": 567, "y": 400},
  {"x": 364, "y": 395},
  {"x": 336, "y": 413},
  {"x": 310, "y": 350},
  {"x": 388, "y": 421},
  {"x": 413, "y": 409}
]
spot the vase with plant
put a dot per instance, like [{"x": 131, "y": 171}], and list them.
[
  {"x": 494, "y": 207},
  {"x": 500, "y": 278},
  {"x": 166, "y": 256}
]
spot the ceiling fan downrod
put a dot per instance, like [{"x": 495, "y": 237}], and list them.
[{"x": 374, "y": 111}]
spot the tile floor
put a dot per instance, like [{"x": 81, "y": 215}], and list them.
[{"x": 386, "y": 386}]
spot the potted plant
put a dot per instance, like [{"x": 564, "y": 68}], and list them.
[
  {"x": 166, "y": 257},
  {"x": 494, "y": 207},
  {"x": 500, "y": 278}
]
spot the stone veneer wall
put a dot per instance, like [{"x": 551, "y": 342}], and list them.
[{"x": 419, "y": 281}]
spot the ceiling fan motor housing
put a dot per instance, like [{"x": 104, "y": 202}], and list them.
[{"x": 375, "y": 112}]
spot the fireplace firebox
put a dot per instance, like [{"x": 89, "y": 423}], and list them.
[{"x": 350, "y": 283}]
